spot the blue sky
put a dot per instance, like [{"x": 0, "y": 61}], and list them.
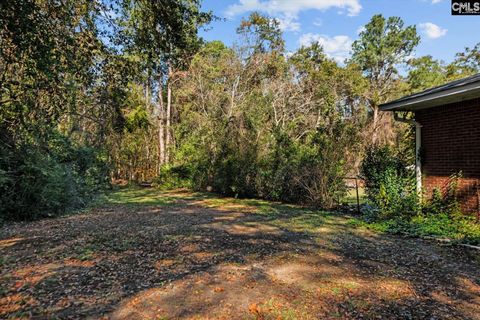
[{"x": 335, "y": 23}]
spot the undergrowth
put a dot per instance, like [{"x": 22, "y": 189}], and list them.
[
  {"x": 394, "y": 206},
  {"x": 459, "y": 229}
]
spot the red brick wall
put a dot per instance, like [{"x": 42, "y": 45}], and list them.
[
  {"x": 467, "y": 191},
  {"x": 450, "y": 144}
]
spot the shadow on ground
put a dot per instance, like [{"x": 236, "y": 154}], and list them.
[{"x": 150, "y": 255}]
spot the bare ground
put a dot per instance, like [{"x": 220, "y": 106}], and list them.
[{"x": 179, "y": 255}]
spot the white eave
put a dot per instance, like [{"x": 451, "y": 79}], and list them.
[{"x": 456, "y": 91}]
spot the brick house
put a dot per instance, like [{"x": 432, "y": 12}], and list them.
[{"x": 447, "y": 121}]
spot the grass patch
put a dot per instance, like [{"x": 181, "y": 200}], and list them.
[
  {"x": 85, "y": 254},
  {"x": 303, "y": 222},
  {"x": 288, "y": 216},
  {"x": 135, "y": 196},
  {"x": 281, "y": 215},
  {"x": 351, "y": 196},
  {"x": 462, "y": 229},
  {"x": 273, "y": 309},
  {"x": 255, "y": 206}
]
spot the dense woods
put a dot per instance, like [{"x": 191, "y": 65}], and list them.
[{"x": 97, "y": 91}]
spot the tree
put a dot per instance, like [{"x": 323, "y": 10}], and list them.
[
  {"x": 381, "y": 48},
  {"x": 165, "y": 34},
  {"x": 466, "y": 63},
  {"x": 262, "y": 34},
  {"x": 55, "y": 105},
  {"x": 84, "y": 93},
  {"x": 426, "y": 72},
  {"x": 265, "y": 125}
]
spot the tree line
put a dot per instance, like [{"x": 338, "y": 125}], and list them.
[{"x": 97, "y": 91}]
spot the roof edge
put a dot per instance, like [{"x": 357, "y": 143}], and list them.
[{"x": 459, "y": 90}]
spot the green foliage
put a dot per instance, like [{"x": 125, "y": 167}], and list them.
[
  {"x": 396, "y": 208},
  {"x": 443, "y": 203},
  {"x": 50, "y": 159},
  {"x": 72, "y": 96},
  {"x": 377, "y": 162},
  {"x": 468, "y": 62},
  {"x": 463, "y": 229},
  {"x": 173, "y": 177},
  {"x": 443, "y": 224},
  {"x": 308, "y": 172},
  {"x": 43, "y": 184},
  {"x": 262, "y": 33},
  {"x": 426, "y": 72},
  {"x": 390, "y": 185},
  {"x": 270, "y": 127},
  {"x": 128, "y": 90},
  {"x": 135, "y": 112},
  {"x": 382, "y": 45},
  {"x": 162, "y": 31}
]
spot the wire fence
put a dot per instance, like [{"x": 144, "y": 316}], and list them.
[{"x": 356, "y": 192}]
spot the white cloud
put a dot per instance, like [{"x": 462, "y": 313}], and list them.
[
  {"x": 287, "y": 7},
  {"x": 432, "y": 31},
  {"x": 337, "y": 47},
  {"x": 286, "y": 11},
  {"x": 360, "y": 29},
  {"x": 289, "y": 24}
]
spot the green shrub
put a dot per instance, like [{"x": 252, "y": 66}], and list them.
[
  {"x": 440, "y": 224},
  {"x": 464, "y": 229},
  {"x": 390, "y": 186},
  {"x": 395, "y": 207},
  {"x": 38, "y": 182},
  {"x": 308, "y": 171},
  {"x": 444, "y": 202},
  {"x": 172, "y": 177}
]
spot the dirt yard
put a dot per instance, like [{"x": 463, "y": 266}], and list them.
[{"x": 145, "y": 254}]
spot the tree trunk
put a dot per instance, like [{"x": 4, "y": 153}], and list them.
[
  {"x": 161, "y": 126},
  {"x": 168, "y": 117},
  {"x": 147, "y": 95},
  {"x": 375, "y": 124}
]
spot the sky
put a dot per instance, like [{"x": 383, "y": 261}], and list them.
[{"x": 336, "y": 23}]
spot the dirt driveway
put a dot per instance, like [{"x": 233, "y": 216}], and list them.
[{"x": 144, "y": 254}]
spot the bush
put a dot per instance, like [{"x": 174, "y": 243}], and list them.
[
  {"x": 308, "y": 171},
  {"x": 462, "y": 229},
  {"x": 172, "y": 177},
  {"x": 444, "y": 203},
  {"x": 396, "y": 209},
  {"x": 40, "y": 182},
  {"x": 390, "y": 185}
]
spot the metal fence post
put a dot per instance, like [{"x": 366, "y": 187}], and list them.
[{"x": 358, "y": 197}]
